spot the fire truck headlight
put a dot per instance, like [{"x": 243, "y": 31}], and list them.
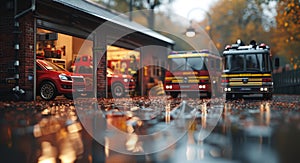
[
  {"x": 202, "y": 86},
  {"x": 261, "y": 89},
  {"x": 168, "y": 86},
  {"x": 266, "y": 89},
  {"x": 227, "y": 89},
  {"x": 126, "y": 80}
]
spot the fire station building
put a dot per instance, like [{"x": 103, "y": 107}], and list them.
[{"x": 63, "y": 30}]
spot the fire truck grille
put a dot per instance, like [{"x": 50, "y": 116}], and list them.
[{"x": 77, "y": 79}]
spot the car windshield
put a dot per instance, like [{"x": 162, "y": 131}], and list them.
[
  {"x": 184, "y": 64},
  {"x": 51, "y": 66},
  {"x": 247, "y": 62}
]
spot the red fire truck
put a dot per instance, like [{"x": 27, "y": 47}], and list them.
[
  {"x": 118, "y": 84},
  {"x": 193, "y": 72}
]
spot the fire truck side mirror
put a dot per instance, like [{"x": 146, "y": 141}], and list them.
[{"x": 276, "y": 62}]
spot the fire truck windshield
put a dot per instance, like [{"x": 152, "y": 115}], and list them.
[
  {"x": 186, "y": 64},
  {"x": 252, "y": 62}
]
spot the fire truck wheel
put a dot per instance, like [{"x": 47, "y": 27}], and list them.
[
  {"x": 117, "y": 90},
  {"x": 267, "y": 96},
  {"x": 193, "y": 94},
  {"x": 229, "y": 96},
  {"x": 174, "y": 94},
  {"x": 48, "y": 90},
  {"x": 209, "y": 95}
]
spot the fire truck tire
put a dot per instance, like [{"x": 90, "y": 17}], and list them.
[
  {"x": 267, "y": 96},
  {"x": 174, "y": 94},
  {"x": 209, "y": 95},
  {"x": 117, "y": 90},
  {"x": 193, "y": 94},
  {"x": 229, "y": 96},
  {"x": 48, "y": 91}
]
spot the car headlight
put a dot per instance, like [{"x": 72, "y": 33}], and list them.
[
  {"x": 126, "y": 80},
  {"x": 64, "y": 77}
]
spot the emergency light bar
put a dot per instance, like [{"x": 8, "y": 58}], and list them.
[
  {"x": 240, "y": 46},
  {"x": 190, "y": 52}
]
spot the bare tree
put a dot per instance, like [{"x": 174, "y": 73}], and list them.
[{"x": 133, "y": 5}]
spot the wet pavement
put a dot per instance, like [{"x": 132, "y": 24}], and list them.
[{"x": 151, "y": 130}]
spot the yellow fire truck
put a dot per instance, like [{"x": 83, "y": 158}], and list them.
[{"x": 247, "y": 70}]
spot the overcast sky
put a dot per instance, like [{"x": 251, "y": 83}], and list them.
[
  {"x": 192, "y": 9},
  {"x": 186, "y": 10}
]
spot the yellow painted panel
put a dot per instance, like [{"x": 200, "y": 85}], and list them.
[
  {"x": 244, "y": 75},
  {"x": 242, "y": 84}
]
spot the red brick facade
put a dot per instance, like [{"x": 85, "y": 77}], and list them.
[
  {"x": 26, "y": 56},
  {"x": 26, "y": 52},
  {"x": 54, "y": 16},
  {"x": 8, "y": 38},
  {"x": 101, "y": 77},
  {"x": 7, "y": 52}
]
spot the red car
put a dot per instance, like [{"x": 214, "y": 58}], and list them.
[
  {"x": 53, "y": 80},
  {"x": 119, "y": 85}
]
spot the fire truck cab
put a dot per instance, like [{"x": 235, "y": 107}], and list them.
[
  {"x": 247, "y": 71},
  {"x": 192, "y": 73}
]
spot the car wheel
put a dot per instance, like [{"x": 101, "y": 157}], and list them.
[
  {"x": 47, "y": 91},
  {"x": 69, "y": 96},
  {"x": 118, "y": 90}
]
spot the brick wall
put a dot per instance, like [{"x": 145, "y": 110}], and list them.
[
  {"x": 26, "y": 52},
  {"x": 8, "y": 53},
  {"x": 6, "y": 50},
  {"x": 101, "y": 77}
]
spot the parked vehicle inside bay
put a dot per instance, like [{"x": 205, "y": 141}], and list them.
[
  {"x": 53, "y": 80},
  {"x": 118, "y": 85}
]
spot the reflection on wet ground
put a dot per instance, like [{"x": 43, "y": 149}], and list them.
[{"x": 152, "y": 130}]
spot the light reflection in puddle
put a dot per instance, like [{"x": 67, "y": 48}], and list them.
[
  {"x": 106, "y": 147},
  {"x": 226, "y": 125},
  {"x": 61, "y": 137},
  {"x": 268, "y": 114},
  {"x": 49, "y": 153},
  {"x": 168, "y": 114},
  {"x": 251, "y": 126},
  {"x": 204, "y": 115},
  {"x": 132, "y": 143}
]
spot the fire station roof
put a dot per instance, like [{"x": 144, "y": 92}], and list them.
[{"x": 96, "y": 10}]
